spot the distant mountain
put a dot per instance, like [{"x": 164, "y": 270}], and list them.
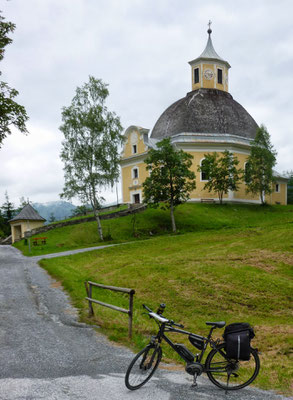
[{"x": 59, "y": 209}]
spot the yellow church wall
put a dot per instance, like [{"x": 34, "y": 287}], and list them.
[
  {"x": 200, "y": 192},
  {"x": 212, "y": 83},
  {"x": 196, "y": 85},
  {"x": 208, "y": 84},
  {"x": 131, "y": 185},
  {"x": 133, "y": 138},
  {"x": 278, "y": 197}
]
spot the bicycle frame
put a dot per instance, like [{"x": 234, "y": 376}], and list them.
[
  {"x": 207, "y": 340},
  {"x": 221, "y": 370}
]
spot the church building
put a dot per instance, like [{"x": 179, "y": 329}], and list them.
[{"x": 206, "y": 120}]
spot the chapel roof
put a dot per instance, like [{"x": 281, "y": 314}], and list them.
[
  {"x": 28, "y": 213},
  {"x": 205, "y": 111}
]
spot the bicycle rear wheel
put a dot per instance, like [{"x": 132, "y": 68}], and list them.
[
  {"x": 231, "y": 374},
  {"x": 143, "y": 366}
]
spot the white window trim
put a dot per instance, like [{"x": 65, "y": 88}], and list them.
[
  {"x": 132, "y": 172},
  {"x": 222, "y": 76},
  {"x": 202, "y": 180}
]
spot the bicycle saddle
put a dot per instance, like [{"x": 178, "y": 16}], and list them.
[{"x": 219, "y": 324}]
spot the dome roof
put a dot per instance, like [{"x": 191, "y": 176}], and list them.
[{"x": 205, "y": 111}]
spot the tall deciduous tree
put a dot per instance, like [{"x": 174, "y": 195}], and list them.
[
  {"x": 259, "y": 168},
  {"x": 221, "y": 173},
  {"x": 11, "y": 113},
  {"x": 170, "y": 181},
  {"x": 92, "y": 135}
]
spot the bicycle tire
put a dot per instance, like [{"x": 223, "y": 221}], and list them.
[
  {"x": 143, "y": 366},
  {"x": 238, "y": 374}
]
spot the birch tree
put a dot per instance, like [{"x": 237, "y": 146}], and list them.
[{"x": 92, "y": 136}]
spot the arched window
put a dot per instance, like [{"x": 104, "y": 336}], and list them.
[
  {"x": 134, "y": 172},
  {"x": 203, "y": 174},
  {"x": 247, "y": 172}
]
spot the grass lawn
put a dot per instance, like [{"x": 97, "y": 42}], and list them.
[
  {"x": 236, "y": 265},
  {"x": 151, "y": 223}
]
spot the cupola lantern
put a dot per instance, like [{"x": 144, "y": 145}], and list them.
[{"x": 209, "y": 70}]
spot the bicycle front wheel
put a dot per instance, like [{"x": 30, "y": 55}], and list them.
[
  {"x": 143, "y": 366},
  {"x": 231, "y": 374}
]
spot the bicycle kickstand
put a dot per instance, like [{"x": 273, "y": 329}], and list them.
[{"x": 194, "y": 385}]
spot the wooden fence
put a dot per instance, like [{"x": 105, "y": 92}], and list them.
[{"x": 89, "y": 286}]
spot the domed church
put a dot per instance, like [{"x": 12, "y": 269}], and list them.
[{"x": 206, "y": 120}]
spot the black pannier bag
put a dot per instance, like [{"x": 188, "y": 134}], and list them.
[{"x": 237, "y": 337}]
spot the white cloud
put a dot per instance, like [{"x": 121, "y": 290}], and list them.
[{"x": 141, "y": 48}]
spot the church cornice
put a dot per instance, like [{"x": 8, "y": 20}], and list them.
[{"x": 133, "y": 159}]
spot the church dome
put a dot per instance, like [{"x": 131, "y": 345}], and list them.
[{"x": 205, "y": 111}]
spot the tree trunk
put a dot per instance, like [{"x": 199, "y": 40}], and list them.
[
  {"x": 262, "y": 197},
  {"x": 100, "y": 231},
  {"x": 96, "y": 212},
  {"x": 172, "y": 217}
]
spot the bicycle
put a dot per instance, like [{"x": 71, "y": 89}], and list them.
[{"x": 228, "y": 374}]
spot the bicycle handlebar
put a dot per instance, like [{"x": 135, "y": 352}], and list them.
[
  {"x": 146, "y": 307},
  {"x": 159, "y": 318},
  {"x": 174, "y": 323}
]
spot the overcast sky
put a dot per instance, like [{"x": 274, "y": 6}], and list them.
[{"x": 141, "y": 48}]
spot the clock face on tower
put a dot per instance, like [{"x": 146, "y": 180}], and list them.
[{"x": 208, "y": 74}]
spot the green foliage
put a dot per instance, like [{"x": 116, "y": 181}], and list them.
[
  {"x": 204, "y": 275},
  {"x": 221, "y": 172},
  {"x": 170, "y": 181},
  {"x": 90, "y": 148},
  {"x": 190, "y": 217},
  {"x": 290, "y": 188},
  {"x": 11, "y": 112},
  {"x": 259, "y": 168},
  {"x": 7, "y": 213},
  {"x": 81, "y": 210},
  {"x": 52, "y": 217}
]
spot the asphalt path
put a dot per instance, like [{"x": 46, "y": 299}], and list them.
[{"x": 45, "y": 353}]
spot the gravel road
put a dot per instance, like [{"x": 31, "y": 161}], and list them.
[{"x": 45, "y": 353}]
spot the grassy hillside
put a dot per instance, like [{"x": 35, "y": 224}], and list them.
[
  {"x": 236, "y": 265},
  {"x": 152, "y": 223}
]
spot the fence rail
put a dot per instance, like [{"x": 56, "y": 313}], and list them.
[{"x": 89, "y": 288}]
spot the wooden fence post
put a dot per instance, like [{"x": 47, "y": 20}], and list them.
[
  {"x": 88, "y": 289},
  {"x": 130, "y": 313}
]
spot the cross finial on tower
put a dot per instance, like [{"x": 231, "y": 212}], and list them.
[{"x": 209, "y": 24}]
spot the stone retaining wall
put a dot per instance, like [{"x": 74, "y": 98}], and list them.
[{"x": 117, "y": 214}]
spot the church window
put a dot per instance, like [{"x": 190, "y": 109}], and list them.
[
  {"x": 134, "y": 149},
  {"x": 196, "y": 75},
  {"x": 277, "y": 188},
  {"x": 135, "y": 173},
  {"x": 220, "y": 76},
  {"x": 246, "y": 173},
  {"x": 204, "y": 173}
]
